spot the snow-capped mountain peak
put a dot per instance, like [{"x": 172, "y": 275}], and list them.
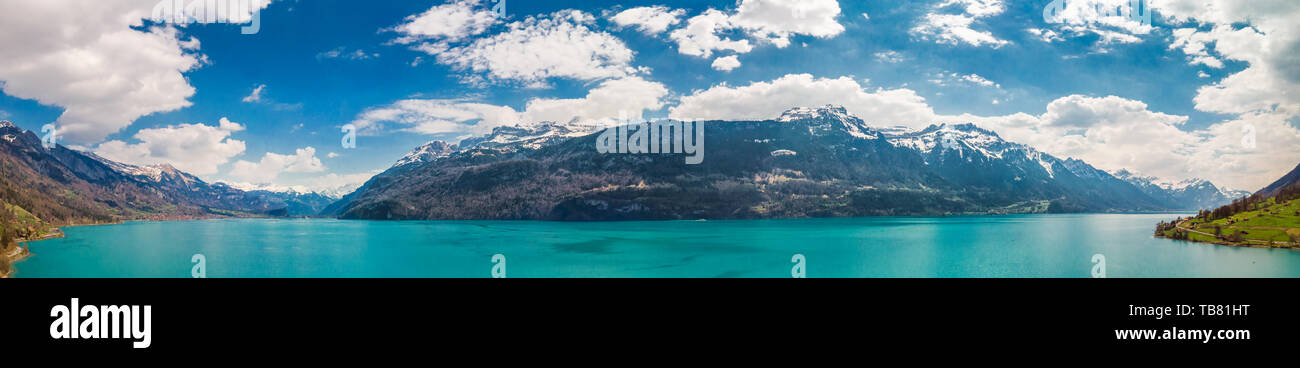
[
  {"x": 524, "y": 136},
  {"x": 1168, "y": 185},
  {"x": 505, "y": 139},
  {"x": 830, "y": 118},
  {"x": 428, "y": 152},
  {"x": 1198, "y": 193},
  {"x": 809, "y": 113},
  {"x": 962, "y": 138}
]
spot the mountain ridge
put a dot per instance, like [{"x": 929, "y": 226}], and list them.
[
  {"x": 1290, "y": 179},
  {"x": 67, "y": 187},
  {"x": 807, "y": 162}
]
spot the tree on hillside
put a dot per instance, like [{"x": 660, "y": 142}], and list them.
[{"x": 6, "y": 226}]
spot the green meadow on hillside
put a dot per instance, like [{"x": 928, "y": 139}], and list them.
[
  {"x": 1269, "y": 222},
  {"x": 18, "y": 225}
]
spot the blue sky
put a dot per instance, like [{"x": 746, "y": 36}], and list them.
[{"x": 1160, "y": 98}]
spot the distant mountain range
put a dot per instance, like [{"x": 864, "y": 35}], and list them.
[
  {"x": 808, "y": 162},
  {"x": 1186, "y": 194},
  {"x": 65, "y": 186}
]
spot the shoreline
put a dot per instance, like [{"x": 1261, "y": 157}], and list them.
[
  {"x": 24, "y": 251},
  {"x": 1258, "y": 244},
  {"x": 1295, "y": 247}
]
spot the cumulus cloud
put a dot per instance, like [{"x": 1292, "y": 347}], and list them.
[
  {"x": 1261, "y": 34},
  {"x": 626, "y": 98},
  {"x": 775, "y": 21},
  {"x": 700, "y": 37},
  {"x": 431, "y": 116},
  {"x": 1116, "y": 133},
  {"x": 85, "y": 58},
  {"x": 557, "y": 45},
  {"x": 650, "y": 20},
  {"x": 766, "y": 100},
  {"x": 1113, "y": 21},
  {"x": 450, "y": 22},
  {"x": 951, "y": 22},
  {"x": 194, "y": 148},
  {"x": 726, "y": 63},
  {"x": 767, "y": 21},
  {"x": 304, "y": 160}
]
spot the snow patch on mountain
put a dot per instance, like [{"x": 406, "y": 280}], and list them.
[
  {"x": 429, "y": 152},
  {"x": 829, "y": 118},
  {"x": 503, "y": 139},
  {"x": 149, "y": 173}
]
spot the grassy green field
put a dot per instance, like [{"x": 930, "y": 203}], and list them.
[
  {"x": 27, "y": 226},
  {"x": 22, "y": 226},
  {"x": 1271, "y": 223}
]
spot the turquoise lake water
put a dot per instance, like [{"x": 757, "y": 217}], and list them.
[{"x": 981, "y": 246}]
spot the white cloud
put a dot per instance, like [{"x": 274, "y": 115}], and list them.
[
  {"x": 1194, "y": 44},
  {"x": 558, "y": 45},
  {"x": 700, "y": 36},
  {"x": 1102, "y": 18},
  {"x": 436, "y": 117},
  {"x": 944, "y": 27},
  {"x": 650, "y": 20},
  {"x": 727, "y": 63},
  {"x": 976, "y": 79},
  {"x": 775, "y": 21},
  {"x": 304, "y": 160},
  {"x": 1045, "y": 35},
  {"x": 626, "y": 98},
  {"x": 343, "y": 53},
  {"x": 889, "y": 56},
  {"x": 1114, "y": 133},
  {"x": 450, "y": 22},
  {"x": 767, "y": 100},
  {"x": 943, "y": 79},
  {"x": 85, "y": 58},
  {"x": 256, "y": 95},
  {"x": 194, "y": 148},
  {"x": 1261, "y": 34},
  {"x": 767, "y": 21}
]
